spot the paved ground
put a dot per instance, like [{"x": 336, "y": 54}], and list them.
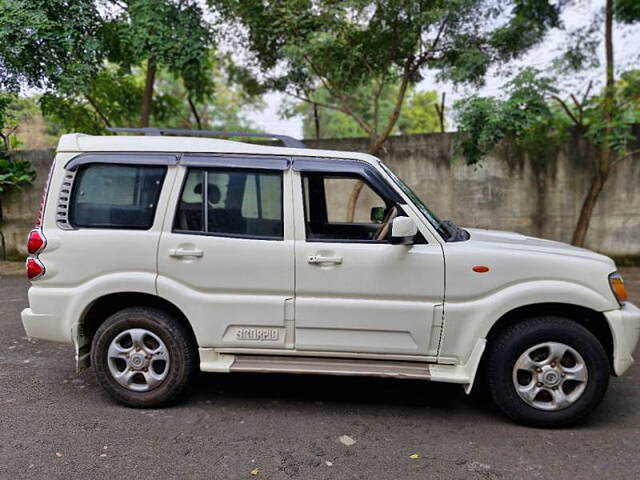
[{"x": 55, "y": 424}]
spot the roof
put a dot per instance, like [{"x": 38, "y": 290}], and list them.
[{"x": 79, "y": 142}]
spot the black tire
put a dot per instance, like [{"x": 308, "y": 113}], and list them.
[
  {"x": 504, "y": 350},
  {"x": 178, "y": 342}
]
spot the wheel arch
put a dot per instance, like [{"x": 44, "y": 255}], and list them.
[
  {"x": 103, "y": 307},
  {"x": 594, "y": 321}
]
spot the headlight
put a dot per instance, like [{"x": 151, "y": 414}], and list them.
[{"x": 617, "y": 287}]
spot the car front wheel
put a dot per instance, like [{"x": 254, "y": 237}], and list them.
[{"x": 547, "y": 371}]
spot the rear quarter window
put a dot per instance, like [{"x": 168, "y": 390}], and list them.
[{"x": 116, "y": 196}]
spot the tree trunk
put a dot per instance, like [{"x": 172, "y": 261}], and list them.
[
  {"x": 316, "y": 119},
  {"x": 606, "y": 155},
  {"x": 377, "y": 140},
  {"x": 589, "y": 203},
  {"x": 3, "y": 244},
  {"x": 100, "y": 113},
  {"x": 194, "y": 110},
  {"x": 147, "y": 97},
  {"x": 374, "y": 148}
]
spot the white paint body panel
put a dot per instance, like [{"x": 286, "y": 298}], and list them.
[
  {"x": 420, "y": 302},
  {"x": 380, "y": 299}
]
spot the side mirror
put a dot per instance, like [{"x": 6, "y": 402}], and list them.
[
  {"x": 377, "y": 214},
  {"x": 403, "y": 231}
]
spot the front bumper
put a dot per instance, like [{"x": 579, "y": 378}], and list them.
[{"x": 625, "y": 328}]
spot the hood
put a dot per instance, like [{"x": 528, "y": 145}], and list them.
[{"x": 517, "y": 241}]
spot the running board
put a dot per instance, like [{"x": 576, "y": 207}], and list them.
[
  {"x": 329, "y": 366},
  {"x": 463, "y": 374}
]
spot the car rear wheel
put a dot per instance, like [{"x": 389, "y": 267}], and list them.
[
  {"x": 143, "y": 357},
  {"x": 547, "y": 371}
]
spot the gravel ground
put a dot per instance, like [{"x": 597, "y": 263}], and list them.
[{"x": 56, "y": 424}]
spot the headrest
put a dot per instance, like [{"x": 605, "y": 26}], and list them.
[{"x": 213, "y": 192}]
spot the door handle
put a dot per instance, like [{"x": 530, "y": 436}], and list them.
[
  {"x": 182, "y": 252},
  {"x": 318, "y": 259}
]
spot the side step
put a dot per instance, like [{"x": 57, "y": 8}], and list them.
[{"x": 329, "y": 366}]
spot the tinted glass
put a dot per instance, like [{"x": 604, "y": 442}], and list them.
[
  {"x": 342, "y": 208},
  {"x": 116, "y": 196},
  {"x": 339, "y": 191},
  {"x": 235, "y": 202}
]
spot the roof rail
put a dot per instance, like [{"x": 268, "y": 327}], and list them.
[{"x": 286, "y": 140}]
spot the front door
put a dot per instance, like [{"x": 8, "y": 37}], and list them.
[
  {"x": 356, "y": 292},
  {"x": 226, "y": 253}
]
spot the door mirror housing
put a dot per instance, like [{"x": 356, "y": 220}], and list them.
[
  {"x": 403, "y": 231},
  {"x": 377, "y": 214}
]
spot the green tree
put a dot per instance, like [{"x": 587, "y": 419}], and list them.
[
  {"x": 418, "y": 115},
  {"x": 299, "y": 46},
  {"x": 228, "y": 107},
  {"x": 421, "y": 113},
  {"x": 534, "y": 111},
  {"x": 13, "y": 173},
  {"x": 161, "y": 33},
  {"x": 114, "y": 98},
  {"x": 49, "y": 44},
  {"x": 75, "y": 49}
]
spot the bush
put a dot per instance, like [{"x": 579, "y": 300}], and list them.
[{"x": 15, "y": 173}]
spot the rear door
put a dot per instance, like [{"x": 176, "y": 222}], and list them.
[
  {"x": 356, "y": 292},
  {"x": 226, "y": 252}
]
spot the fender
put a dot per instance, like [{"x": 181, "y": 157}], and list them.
[{"x": 468, "y": 321}]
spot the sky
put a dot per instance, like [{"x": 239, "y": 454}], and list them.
[{"x": 580, "y": 13}]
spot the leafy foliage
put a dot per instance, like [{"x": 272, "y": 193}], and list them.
[
  {"x": 60, "y": 48},
  {"x": 418, "y": 114},
  {"x": 15, "y": 173},
  {"x": 173, "y": 34},
  {"x": 299, "y": 46},
  {"x": 85, "y": 52},
  {"x": 531, "y": 115},
  {"x": 12, "y": 173},
  {"x": 117, "y": 95},
  {"x": 523, "y": 115},
  {"x": 627, "y": 11}
]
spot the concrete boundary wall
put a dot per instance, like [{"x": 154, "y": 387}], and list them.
[{"x": 538, "y": 195}]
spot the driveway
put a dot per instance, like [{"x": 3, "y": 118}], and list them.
[{"x": 56, "y": 424}]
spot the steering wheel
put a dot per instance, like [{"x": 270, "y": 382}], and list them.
[{"x": 383, "y": 229}]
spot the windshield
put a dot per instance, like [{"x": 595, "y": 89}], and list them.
[{"x": 433, "y": 220}]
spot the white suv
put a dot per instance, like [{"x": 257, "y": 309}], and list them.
[{"x": 160, "y": 254}]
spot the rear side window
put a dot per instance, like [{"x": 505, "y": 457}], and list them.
[
  {"x": 235, "y": 202},
  {"x": 116, "y": 196}
]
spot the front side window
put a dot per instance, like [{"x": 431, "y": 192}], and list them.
[
  {"x": 116, "y": 196},
  {"x": 344, "y": 208},
  {"x": 231, "y": 202}
]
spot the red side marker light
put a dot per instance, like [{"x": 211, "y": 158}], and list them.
[{"x": 480, "y": 269}]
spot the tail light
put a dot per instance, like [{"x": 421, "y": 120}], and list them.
[
  {"x": 35, "y": 268},
  {"x": 36, "y": 242}
]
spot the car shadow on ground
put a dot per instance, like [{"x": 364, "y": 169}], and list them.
[
  {"x": 385, "y": 396},
  {"x": 338, "y": 390}
]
